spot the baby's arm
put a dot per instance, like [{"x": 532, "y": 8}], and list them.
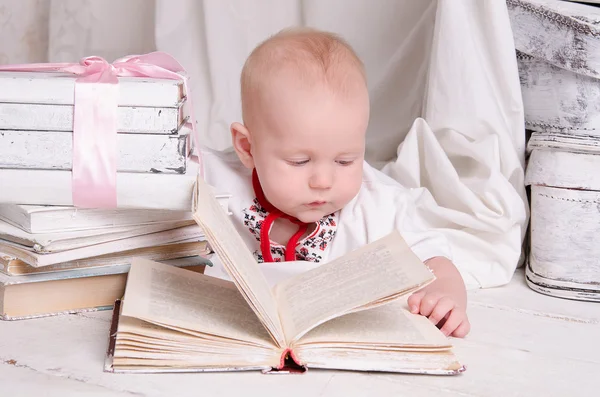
[{"x": 445, "y": 300}]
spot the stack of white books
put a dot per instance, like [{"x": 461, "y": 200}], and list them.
[
  {"x": 56, "y": 258},
  {"x": 153, "y": 163},
  {"x": 63, "y": 260}
]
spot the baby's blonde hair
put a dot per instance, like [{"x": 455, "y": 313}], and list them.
[{"x": 314, "y": 56}]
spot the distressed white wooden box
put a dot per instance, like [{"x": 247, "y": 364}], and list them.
[
  {"x": 558, "y": 54},
  {"x": 153, "y": 145},
  {"x": 564, "y": 258},
  {"x": 36, "y": 123}
]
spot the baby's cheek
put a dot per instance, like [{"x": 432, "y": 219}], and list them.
[
  {"x": 282, "y": 195},
  {"x": 351, "y": 186}
]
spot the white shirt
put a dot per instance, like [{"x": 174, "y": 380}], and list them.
[{"x": 380, "y": 206}]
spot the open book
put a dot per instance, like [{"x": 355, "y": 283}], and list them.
[{"x": 348, "y": 314}]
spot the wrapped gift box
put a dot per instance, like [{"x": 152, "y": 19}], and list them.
[
  {"x": 36, "y": 119},
  {"x": 152, "y": 134}
]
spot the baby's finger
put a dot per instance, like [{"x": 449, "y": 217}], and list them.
[
  {"x": 455, "y": 319},
  {"x": 428, "y": 302},
  {"x": 463, "y": 329},
  {"x": 443, "y": 307},
  {"x": 414, "y": 301}
]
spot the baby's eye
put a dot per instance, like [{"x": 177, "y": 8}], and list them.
[
  {"x": 297, "y": 162},
  {"x": 345, "y": 162}
]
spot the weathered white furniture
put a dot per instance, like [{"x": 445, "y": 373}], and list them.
[{"x": 558, "y": 53}]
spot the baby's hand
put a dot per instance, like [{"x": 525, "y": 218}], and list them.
[
  {"x": 443, "y": 301},
  {"x": 442, "y": 310}
]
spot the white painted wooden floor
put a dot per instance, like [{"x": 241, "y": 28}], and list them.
[{"x": 522, "y": 344}]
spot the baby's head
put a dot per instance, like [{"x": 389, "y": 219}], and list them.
[{"x": 305, "y": 110}]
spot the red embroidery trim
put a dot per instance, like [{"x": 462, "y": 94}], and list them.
[{"x": 274, "y": 213}]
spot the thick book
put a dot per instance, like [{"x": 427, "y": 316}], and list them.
[
  {"x": 57, "y": 89},
  {"x": 140, "y": 190},
  {"x": 347, "y": 314},
  {"x": 79, "y": 290},
  {"x": 50, "y": 219},
  {"x": 21, "y": 149},
  {"x": 51, "y": 118},
  {"x": 12, "y": 266},
  {"x": 63, "y": 241},
  {"x": 191, "y": 233}
]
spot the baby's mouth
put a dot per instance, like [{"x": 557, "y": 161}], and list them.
[{"x": 316, "y": 204}]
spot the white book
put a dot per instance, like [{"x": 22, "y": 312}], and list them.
[
  {"x": 30, "y": 256},
  {"x": 92, "y": 271},
  {"x": 58, "y": 88},
  {"x": 135, "y": 152},
  {"x": 38, "y": 295},
  {"x": 177, "y": 251},
  {"x": 48, "y": 219},
  {"x": 134, "y": 190},
  {"x": 62, "y": 241},
  {"x": 146, "y": 120}
]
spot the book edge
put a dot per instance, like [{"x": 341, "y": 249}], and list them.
[
  {"x": 112, "y": 343},
  {"x": 4, "y": 317},
  {"x": 112, "y": 337}
]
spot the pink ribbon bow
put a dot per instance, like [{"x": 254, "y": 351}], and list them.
[{"x": 94, "y": 171}]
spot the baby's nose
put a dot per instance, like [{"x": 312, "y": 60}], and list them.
[{"x": 322, "y": 179}]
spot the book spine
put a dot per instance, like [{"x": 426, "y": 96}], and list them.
[
  {"x": 41, "y": 315},
  {"x": 52, "y": 88},
  {"x": 134, "y": 190},
  {"x": 2, "y": 292},
  {"x": 288, "y": 364},
  {"x": 147, "y": 120},
  {"x": 136, "y": 152},
  {"x": 112, "y": 337}
]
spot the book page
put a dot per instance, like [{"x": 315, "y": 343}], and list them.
[
  {"x": 385, "y": 338},
  {"x": 389, "y": 326},
  {"x": 147, "y": 336},
  {"x": 237, "y": 259},
  {"x": 410, "y": 362},
  {"x": 164, "y": 294},
  {"x": 366, "y": 277}
]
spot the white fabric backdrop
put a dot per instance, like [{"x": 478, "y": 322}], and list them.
[{"x": 442, "y": 78}]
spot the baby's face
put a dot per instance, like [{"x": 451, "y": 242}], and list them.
[{"x": 309, "y": 150}]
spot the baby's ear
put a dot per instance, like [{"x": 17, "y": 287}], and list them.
[{"x": 240, "y": 136}]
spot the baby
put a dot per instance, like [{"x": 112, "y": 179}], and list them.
[{"x": 300, "y": 187}]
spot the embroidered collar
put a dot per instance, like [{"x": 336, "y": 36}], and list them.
[{"x": 259, "y": 219}]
